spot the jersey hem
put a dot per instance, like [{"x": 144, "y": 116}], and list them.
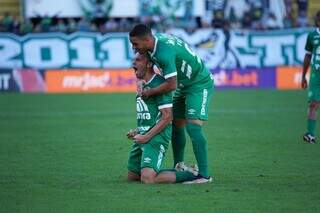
[
  {"x": 170, "y": 75},
  {"x": 165, "y": 106}
]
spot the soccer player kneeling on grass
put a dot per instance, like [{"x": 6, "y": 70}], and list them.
[
  {"x": 153, "y": 133},
  {"x": 185, "y": 74}
]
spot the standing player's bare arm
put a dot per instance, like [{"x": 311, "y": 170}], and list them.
[
  {"x": 169, "y": 85},
  {"x": 166, "y": 118},
  {"x": 306, "y": 64}
]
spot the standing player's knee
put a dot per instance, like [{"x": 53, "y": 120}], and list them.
[
  {"x": 314, "y": 106},
  {"x": 196, "y": 121},
  {"x": 192, "y": 128},
  {"x": 148, "y": 175},
  {"x": 179, "y": 122}
]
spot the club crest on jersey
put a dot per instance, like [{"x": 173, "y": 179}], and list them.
[{"x": 142, "y": 110}]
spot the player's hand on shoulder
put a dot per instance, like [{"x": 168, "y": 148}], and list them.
[
  {"x": 145, "y": 94},
  {"x": 141, "y": 138}
]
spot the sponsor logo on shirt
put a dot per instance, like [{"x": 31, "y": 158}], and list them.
[
  {"x": 191, "y": 111},
  {"x": 142, "y": 110},
  {"x": 204, "y": 101}
]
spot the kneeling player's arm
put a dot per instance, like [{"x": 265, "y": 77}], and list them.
[
  {"x": 169, "y": 85},
  {"x": 166, "y": 118}
]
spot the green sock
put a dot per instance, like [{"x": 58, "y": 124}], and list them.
[
  {"x": 311, "y": 126},
  {"x": 199, "y": 144},
  {"x": 184, "y": 176},
  {"x": 178, "y": 144}
]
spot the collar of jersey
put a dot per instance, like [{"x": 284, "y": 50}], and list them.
[
  {"x": 151, "y": 79},
  {"x": 155, "y": 46}
]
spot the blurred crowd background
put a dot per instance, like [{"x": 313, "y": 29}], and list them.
[{"x": 236, "y": 14}]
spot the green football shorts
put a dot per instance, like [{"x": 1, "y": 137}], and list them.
[
  {"x": 192, "y": 103},
  {"x": 314, "y": 86},
  {"x": 148, "y": 155}
]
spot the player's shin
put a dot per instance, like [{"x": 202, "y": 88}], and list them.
[
  {"x": 312, "y": 118},
  {"x": 182, "y": 176},
  {"x": 178, "y": 143},
  {"x": 199, "y": 144}
]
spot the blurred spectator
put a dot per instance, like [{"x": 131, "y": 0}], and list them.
[
  {"x": 111, "y": 25},
  {"x": 218, "y": 13},
  {"x": 7, "y": 22},
  {"x": 302, "y": 6},
  {"x": 190, "y": 24},
  {"x": 288, "y": 21},
  {"x": 236, "y": 8},
  {"x": 46, "y": 24},
  {"x": 233, "y": 19},
  {"x": 71, "y": 25},
  {"x": 93, "y": 27},
  {"x": 83, "y": 25},
  {"x": 61, "y": 27},
  {"x": 218, "y": 19},
  {"x": 124, "y": 25},
  {"x": 246, "y": 14},
  {"x": 302, "y": 19},
  {"x": 26, "y": 27},
  {"x": 289, "y": 6},
  {"x": 270, "y": 22},
  {"x": 256, "y": 13},
  {"x": 16, "y": 25},
  {"x": 246, "y": 21},
  {"x": 278, "y": 8},
  {"x": 189, "y": 9}
]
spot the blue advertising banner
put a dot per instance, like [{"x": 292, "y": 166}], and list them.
[{"x": 244, "y": 78}]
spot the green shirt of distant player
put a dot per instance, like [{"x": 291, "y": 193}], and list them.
[
  {"x": 148, "y": 111},
  {"x": 313, "y": 47},
  {"x": 174, "y": 58}
]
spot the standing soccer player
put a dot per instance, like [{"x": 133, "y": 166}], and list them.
[
  {"x": 184, "y": 72},
  {"x": 312, "y": 53},
  {"x": 153, "y": 133}
]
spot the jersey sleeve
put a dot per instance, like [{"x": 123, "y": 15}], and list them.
[
  {"x": 168, "y": 64},
  {"x": 164, "y": 100},
  {"x": 309, "y": 46}
]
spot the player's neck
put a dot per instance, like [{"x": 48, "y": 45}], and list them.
[
  {"x": 152, "y": 44},
  {"x": 149, "y": 75}
]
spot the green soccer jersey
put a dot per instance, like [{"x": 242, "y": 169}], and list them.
[
  {"x": 313, "y": 47},
  {"x": 175, "y": 58},
  {"x": 148, "y": 111}
]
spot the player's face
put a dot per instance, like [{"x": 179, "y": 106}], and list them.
[
  {"x": 140, "y": 63},
  {"x": 139, "y": 44}
]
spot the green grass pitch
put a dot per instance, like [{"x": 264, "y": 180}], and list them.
[{"x": 68, "y": 153}]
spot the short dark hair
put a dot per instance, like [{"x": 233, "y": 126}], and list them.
[
  {"x": 140, "y": 30},
  {"x": 317, "y": 18},
  {"x": 318, "y": 14}
]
